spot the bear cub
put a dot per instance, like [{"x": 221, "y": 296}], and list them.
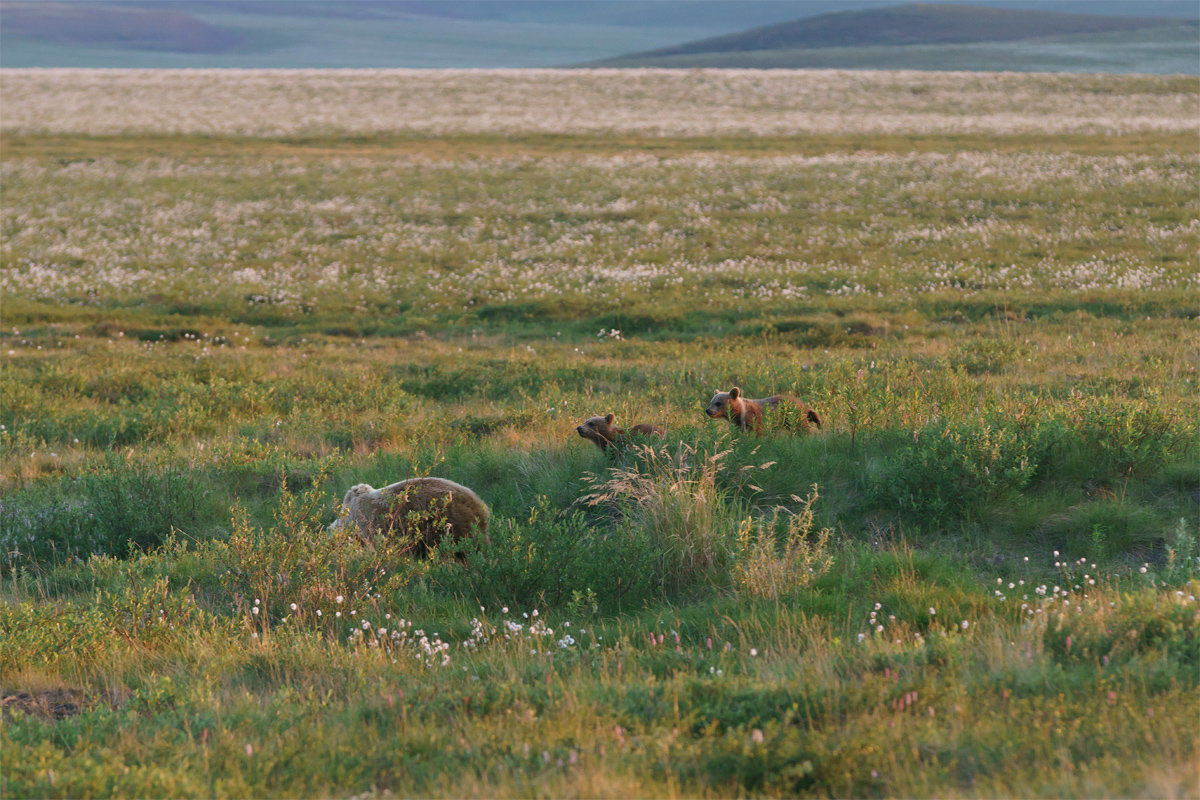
[
  {"x": 602, "y": 432},
  {"x": 747, "y": 413}
]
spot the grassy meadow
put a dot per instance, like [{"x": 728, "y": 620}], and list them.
[{"x": 977, "y": 579}]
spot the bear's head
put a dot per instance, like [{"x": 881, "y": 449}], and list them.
[
  {"x": 722, "y": 402},
  {"x": 355, "y": 493},
  {"x": 598, "y": 429},
  {"x": 350, "y": 505}
]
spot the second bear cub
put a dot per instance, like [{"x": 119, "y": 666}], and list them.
[
  {"x": 748, "y": 414},
  {"x": 602, "y": 431}
]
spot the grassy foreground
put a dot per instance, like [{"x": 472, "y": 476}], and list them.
[{"x": 978, "y": 579}]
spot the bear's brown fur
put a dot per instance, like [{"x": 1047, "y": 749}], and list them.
[
  {"x": 602, "y": 432},
  {"x": 747, "y": 414},
  {"x": 425, "y": 508}
]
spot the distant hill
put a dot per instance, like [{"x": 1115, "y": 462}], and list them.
[
  {"x": 899, "y": 26},
  {"x": 136, "y": 28},
  {"x": 546, "y": 33},
  {"x": 312, "y": 34},
  {"x": 367, "y": 33}
]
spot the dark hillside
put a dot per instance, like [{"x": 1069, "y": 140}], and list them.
[
  {"x": 540, "y": 33},
  {"x": 924, "y": 23},
  {"x": 126, "y": 27}
]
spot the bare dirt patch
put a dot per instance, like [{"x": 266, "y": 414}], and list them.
[{"x": 51, "y": 704}]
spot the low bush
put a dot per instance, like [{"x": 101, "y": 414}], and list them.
[
  {"x": 116, "y": 506},
  {"x": 550, "y": 560},
  {"x": 952, "y": 470},
  {"x": 295, "y": 569},
  {"x": 983, "y": 356},
  {"x": 1117, "y": 436},
  {"x": 1156, "y": 625}
]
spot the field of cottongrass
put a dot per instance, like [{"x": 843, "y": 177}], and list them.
[
  {"x": 226, "y": 297},
  {"x": 649, "y": 102}
]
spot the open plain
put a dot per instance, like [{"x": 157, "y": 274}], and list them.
[{"x": 226, "y": 297}]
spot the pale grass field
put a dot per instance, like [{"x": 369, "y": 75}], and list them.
[
  {"x": 646, "y": 101},
  {"x": 451, "y": 236}
]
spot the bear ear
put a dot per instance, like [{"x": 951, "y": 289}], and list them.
[
  {"x": 734, "y": 392},
  {"x": 608, "y": 418}
]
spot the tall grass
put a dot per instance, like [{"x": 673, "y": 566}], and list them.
[
  {"x": 769, "y": 568},
  {"x": 675, "y": 498}
]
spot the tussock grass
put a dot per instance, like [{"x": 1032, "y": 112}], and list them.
[{"x": 679, "y": 503}]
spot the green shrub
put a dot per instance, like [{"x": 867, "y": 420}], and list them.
[
  {"x": 983, "y": 356},
  {"x": 953, "y": 469},
  {"x": 1119, "y": 435},
  {"x": 151, "y": 616},
  {"x": 114, "y": 507},
  {"x": 1183, "y": 554},
  {"x": 296, "y": 570},
  {"x": 776, "y": 759},
  {"x": 550, "y": 560},
  {"x": 1159, "y": 624}
]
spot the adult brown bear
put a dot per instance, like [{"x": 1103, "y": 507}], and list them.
[{"x": 426, "y": 509}]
